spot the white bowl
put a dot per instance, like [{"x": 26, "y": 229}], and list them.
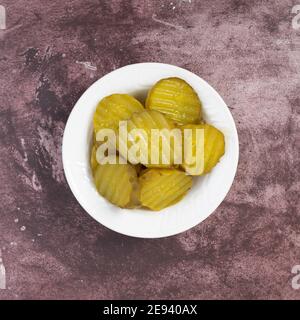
[{"x": 207, "y": 192}]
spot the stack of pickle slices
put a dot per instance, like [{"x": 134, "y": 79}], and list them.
[{"x": 171, "y": 103}]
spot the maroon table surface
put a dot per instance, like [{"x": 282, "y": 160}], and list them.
[{"x": 52, "y": 51}]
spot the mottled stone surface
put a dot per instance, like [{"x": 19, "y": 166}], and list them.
[{"x": 247, "y": 50}]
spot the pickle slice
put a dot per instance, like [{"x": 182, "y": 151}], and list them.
[
  {"x": 162, "y": 147},
  {"x": 214, "y": 149},
  {"x": 114, "y": 108},
  {"x": 118, "y": 183},
  {"x": 161, "y": 188},
  {"x": 176, "y": 99}
]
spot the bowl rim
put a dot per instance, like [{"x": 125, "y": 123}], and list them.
[{"x": 67, "y": 172}]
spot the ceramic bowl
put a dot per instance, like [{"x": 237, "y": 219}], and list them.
[{"x": 207, "y": 192}]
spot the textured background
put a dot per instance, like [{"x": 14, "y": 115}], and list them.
[{"x": 247, "y": 50}]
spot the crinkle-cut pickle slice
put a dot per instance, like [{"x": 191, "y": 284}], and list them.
[
  {"x": 214, "y": 148},
  {"x": 148, "y": 120},
  {"x": 176, "y": 99},
  {"x": 118, "y": 183},
  {"x": 114, "y": 108},
  {"x": 161, "y": 188}
]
